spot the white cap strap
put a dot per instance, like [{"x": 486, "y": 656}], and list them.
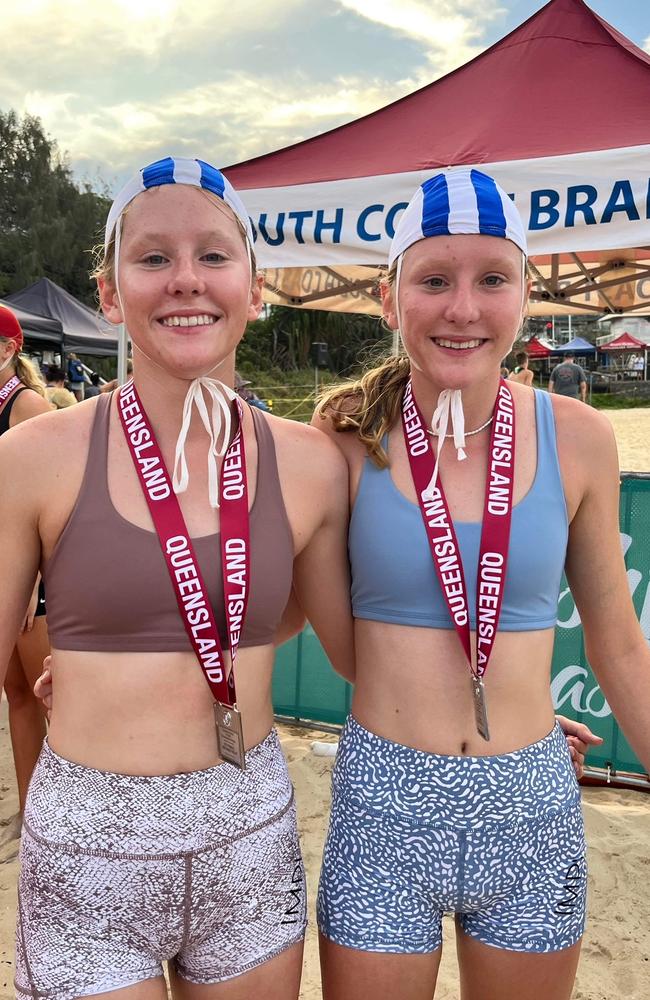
[
  {"x": 450, "y": 404},
  {"x": 217, "y": 424}
]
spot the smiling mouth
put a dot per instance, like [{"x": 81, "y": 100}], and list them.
[
  {"x": 204, "y": 319},
  {"x": 457, "y": 345}
]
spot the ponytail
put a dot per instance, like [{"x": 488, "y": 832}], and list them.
[
  {"x": 27, "y": 372},
  {"x": 369, "y": 406}
]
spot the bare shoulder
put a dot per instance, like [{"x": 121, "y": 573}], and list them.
[
  {"x": 580, "y": 427},
  {"x": 29, "y": 404},
  {"x": 586, "y": 449},
  {"x": 39, "y": 444},
  {"x": 346, "y": 440}
]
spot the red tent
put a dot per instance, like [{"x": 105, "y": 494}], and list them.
[
  {"x": 626, "y": 342},
  {"x": 557, "y": 111},
  {"x": 536, "y": 350}
]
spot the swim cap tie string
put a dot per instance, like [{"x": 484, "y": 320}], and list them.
[
  {"x": 218, "y": 424},
  {"x": 450, "y": 404}
]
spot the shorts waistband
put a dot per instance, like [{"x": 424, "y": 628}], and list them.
[
  {"x": 464, "y": 792},
  {"x": 124, "y": 814}
]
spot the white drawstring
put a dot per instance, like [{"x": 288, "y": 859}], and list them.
[
  {"x": 217, "y": 425},
  {"x": 450, "y": 403}
]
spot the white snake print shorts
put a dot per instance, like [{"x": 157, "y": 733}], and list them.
[
  {"x": 499, "y": 841},
  {"x": 120, "y": 873}
]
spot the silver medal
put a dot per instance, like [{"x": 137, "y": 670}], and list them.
[{"x": 480, "y": 709}]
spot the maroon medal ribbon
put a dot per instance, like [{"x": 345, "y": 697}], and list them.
[
  {"x": 8, "y": 390},
  {"x": 495, "y": 533},
  {"x": 182, "y": 564}
]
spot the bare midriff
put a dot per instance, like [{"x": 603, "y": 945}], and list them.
[
  {"x": 150, "y": 713},
  {"x": 413, "y": 687}
]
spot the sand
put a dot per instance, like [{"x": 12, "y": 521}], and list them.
[
  {"x": 632, "y": 430},
  {"x": 615, "y": 960}
]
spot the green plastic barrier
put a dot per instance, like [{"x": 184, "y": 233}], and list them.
[{"x": 305, "y": 686}]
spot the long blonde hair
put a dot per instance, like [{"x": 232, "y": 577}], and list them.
[
  {"x": 370, "y": 405},
  {"x": 26, "y": 371}
]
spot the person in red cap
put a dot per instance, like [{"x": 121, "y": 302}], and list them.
[{"x": 22, "y": 395}]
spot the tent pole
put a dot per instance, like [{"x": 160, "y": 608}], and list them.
[{"x": 122, "y": 353}]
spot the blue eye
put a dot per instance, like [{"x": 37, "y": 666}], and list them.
[
  {"x": 154, "y": 259},
  {"x": 493, "y": 280},
  {"x": 213, "y": 257},
  {"x": 435, "y": 282}
]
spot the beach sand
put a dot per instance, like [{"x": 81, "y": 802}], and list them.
[
  {"x": 632, "y": 430},
  {"x": 615, "y": 962}
]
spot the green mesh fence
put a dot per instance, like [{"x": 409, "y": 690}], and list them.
[{"x": 306, "y": 687}]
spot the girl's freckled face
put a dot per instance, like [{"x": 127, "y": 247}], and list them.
[
  {"x": 461, "y": 303},
  {"x": 184, "y": 280}
]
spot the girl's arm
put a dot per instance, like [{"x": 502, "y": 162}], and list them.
[
  {"x": 20, "y": 544},
  {"x": 614, "y": 643}
]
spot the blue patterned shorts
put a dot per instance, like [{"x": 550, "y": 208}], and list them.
[{"x": 497, "y": 840}]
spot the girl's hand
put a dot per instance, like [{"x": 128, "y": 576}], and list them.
[
  {"x": 579, "y": 738},
  {"x": 43, "y": 686}
]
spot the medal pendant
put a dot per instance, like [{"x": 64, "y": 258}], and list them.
[
  {"x": 230, "y": 735},
  {"x": 480, "y": 710}
]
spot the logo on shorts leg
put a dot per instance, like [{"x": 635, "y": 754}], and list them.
[
  {"x": 295, "y": 904},
  {"x": 573, "y": 883}
]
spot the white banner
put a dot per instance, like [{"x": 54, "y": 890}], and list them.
[{"x": 586, "y": 201}]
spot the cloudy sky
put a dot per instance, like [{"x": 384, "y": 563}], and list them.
[{"x": 119, "y": 83}]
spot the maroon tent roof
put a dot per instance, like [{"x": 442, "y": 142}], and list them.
[
  {"x": 626, "y": 342},
  {"x": 527, "y": 77},
  {"x": 534, "y": 349}
]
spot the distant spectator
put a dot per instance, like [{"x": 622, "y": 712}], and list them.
[
  {"x": 113, "y": 384},
  {"x": 76, "y": 377},
  {"x": 93, "y": 389},
  {"x": 55, "y": 389},
  {"x": 248, "y": 394},
  {"x": 568, "y": 379},
  {"x": 505, "y": 371},
  {"x": 521, "y": 372}
]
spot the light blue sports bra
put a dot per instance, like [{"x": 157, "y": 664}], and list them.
[{"x": 393, "y": 576}]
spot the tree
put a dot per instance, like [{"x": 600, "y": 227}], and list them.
[{"x": 48, "y": 224}]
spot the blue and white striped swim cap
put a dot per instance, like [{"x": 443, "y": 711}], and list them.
[
  {"x": 458, "y": 201},
  {"x": 177, "y": 170}
]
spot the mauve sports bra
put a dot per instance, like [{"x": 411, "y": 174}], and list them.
[{"x": 108, "y": 588}]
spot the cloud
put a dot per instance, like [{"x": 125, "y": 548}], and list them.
[
  {"x": 124, "y": 81},
  {"x": 450, "y": 31}
]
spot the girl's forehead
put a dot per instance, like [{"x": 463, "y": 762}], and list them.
[
  {"x": 177, "y": 209},
  {"x": 462, "y": 250}
]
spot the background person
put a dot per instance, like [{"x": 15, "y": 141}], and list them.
[
  {"x": 76, "y": 377},
  {"x": 55, "y": 389},
  {"x": 568, "y": 379},
  {"x": 521, "y": 372},
  {"x": 93, "y": 389},
  {"x": 26, "y": 717}
]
